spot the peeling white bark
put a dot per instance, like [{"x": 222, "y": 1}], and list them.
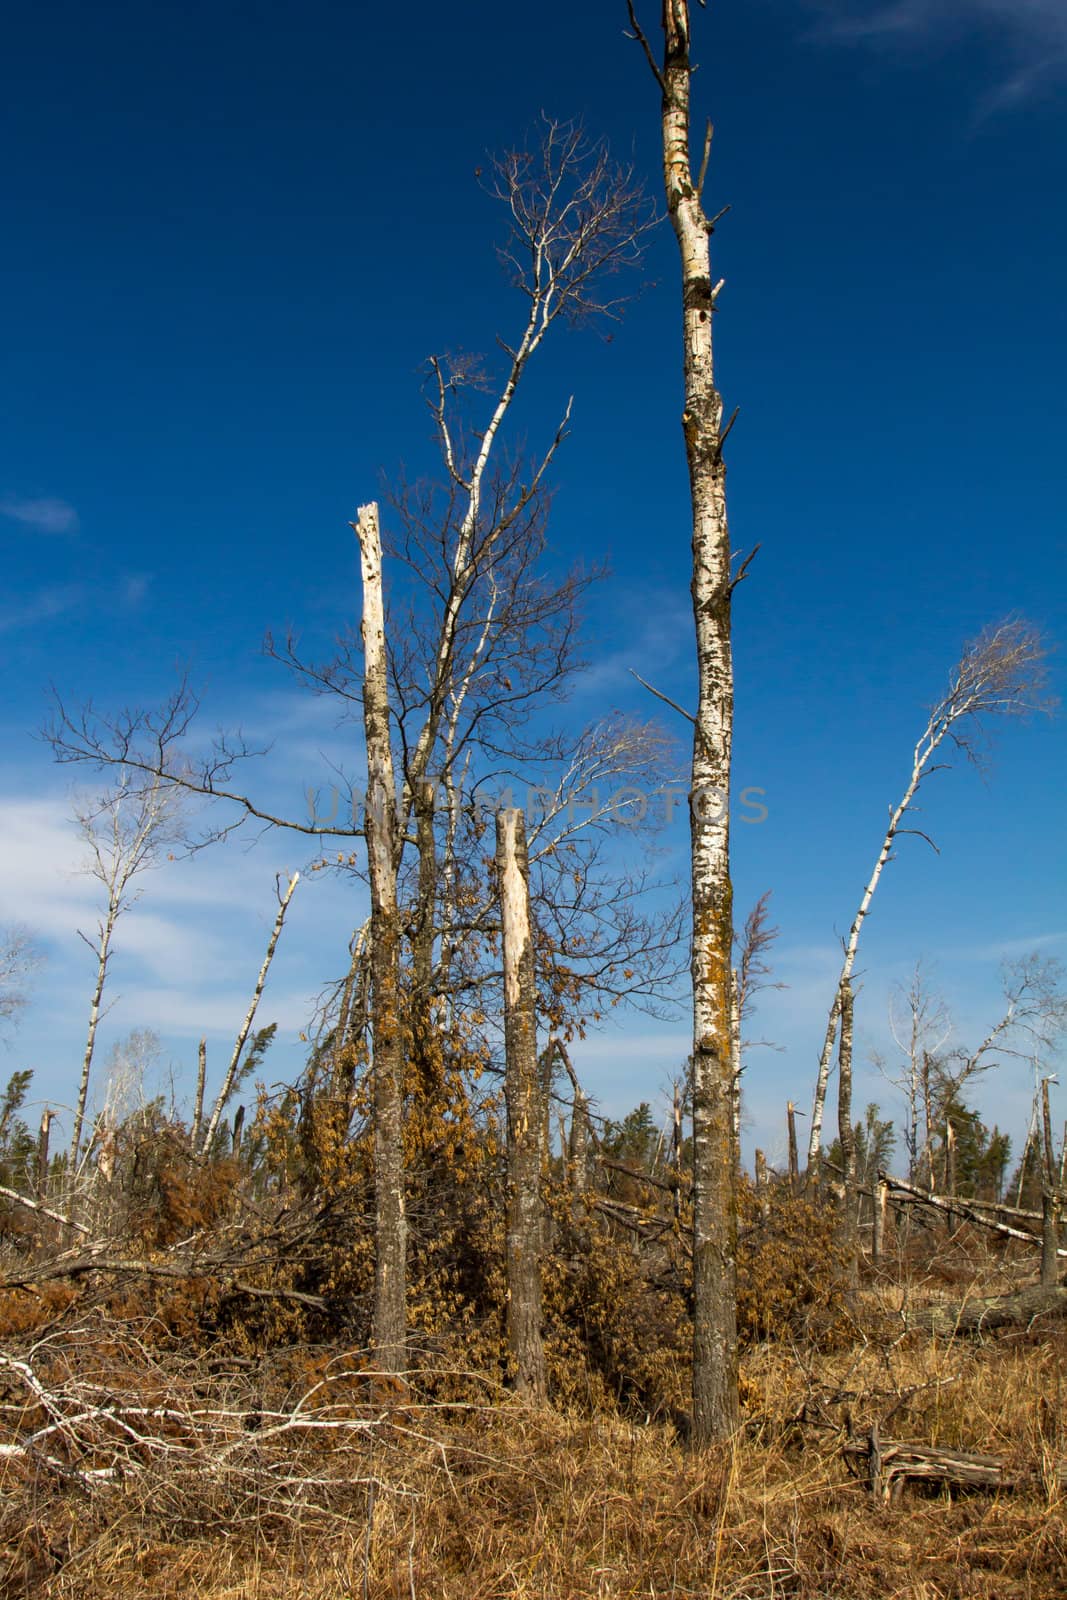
[
  {"x": 226, "y": 1090},
  {"x": 715, "y": 1398},
  {"x": 390, "y": 1221}
]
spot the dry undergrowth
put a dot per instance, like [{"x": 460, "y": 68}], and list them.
[{"x": 135, "y": 1473}]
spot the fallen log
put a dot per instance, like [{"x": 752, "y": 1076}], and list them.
[
  {"x": 988, "y": 1315},
  {"x": 888, "y": 1464},
  {"x": 905, "y": 1192}
]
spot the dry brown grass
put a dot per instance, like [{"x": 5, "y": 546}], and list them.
[{"x": 452, "y": 1490}]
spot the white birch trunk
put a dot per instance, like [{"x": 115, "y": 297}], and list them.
[
  {"x": 390, "y": 1221},
  {"x": 224, "y": 1093},
  {"x": 715, "y": 1398},
  {"x": 103, "y": 956},
  {"x": 198, "y": 1103}
]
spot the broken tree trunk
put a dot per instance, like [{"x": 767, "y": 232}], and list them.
[
  {"x": 791, "y": 1123},
  {"x": 521, "y": 1093},
  {"x": 989, "y": 1315},
  {"x": 846, "y": 1134},
  {"x": 390, "y": 1221},
  {"x": 904, "y": 1191},
  {"x": 888, "y": 1464},
  {"x": 1050, "y": 1206}
]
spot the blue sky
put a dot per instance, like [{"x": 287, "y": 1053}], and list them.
[{"x": 232, "y": 237}]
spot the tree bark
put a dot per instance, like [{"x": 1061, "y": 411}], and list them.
[
  {"x": 390, "y": 1221},
  {"x": 423, "y": 933},
  {"x": 523, "y": 1110},
  {"x": 1050, "y": 1200},
  {"x": 986, "y": 1316},
  {"x": 41, "y": 1172},
  {"x": 715, "y": 1396},
  {"x": 250, "y": 1016},
  {"x": 761, "y": 1186},
  {"x": 107, "y": 930},
  {"x": 881, "y": 1206},
  {"x": 791, "y": 1128},
  {"x": 845, "y": 1133},
  {"x": 198, "y": 1103}
]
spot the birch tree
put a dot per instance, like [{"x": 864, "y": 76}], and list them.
[
  {"x": 448, "y": 671},
  {"x": 387, "y": 1062},
  {"x": 234, "y": 1067},
  {"x": 1000, "y": 674},
  {"x": 715, "y": 1401},
  {"x": 478, "y": 642},
  {"x": 126, "y": 834}
]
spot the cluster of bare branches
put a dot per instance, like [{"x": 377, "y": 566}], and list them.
[
  {"x": 19, "y": 957},
  {"x": 100, "y": 1411}
]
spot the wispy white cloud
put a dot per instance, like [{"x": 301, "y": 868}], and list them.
[
  {"x": 127, "y": 593},
  {"x": 42, "y": 606},
  {"x": 1031, "y": 33},
  {"x": 133, "y": 589},
  {"x": 45, "y": 515},
  {"x": 1007, "y": 949}
]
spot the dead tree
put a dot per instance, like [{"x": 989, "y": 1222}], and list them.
[
  {"x": 1050, "y": 1198},
  {"x": 380, "y": 824},
  {"x": 230, "y": 1078},
  {"x": 791, "y": 1131},
  {"x": 1001, "y": 673},
  {"x": 846, "y": 1133},
  {"x": 523, "y": 1109},
  {"x": 715, "y": 1399},
  {"x": 126, "y": 833}
]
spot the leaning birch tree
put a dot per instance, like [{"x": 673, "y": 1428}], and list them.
[
  {"x": 715, "y": 1400},
  {"x": 234, "y": 1068},
  {"x": 1001, "y": 673}
]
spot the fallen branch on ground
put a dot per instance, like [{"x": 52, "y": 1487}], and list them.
[{"x": 888, "y": 1464}]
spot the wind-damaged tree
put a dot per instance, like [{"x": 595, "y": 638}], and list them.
[
  {"x": 450, "y": 675},
  {"x": 126, "y": 832},
  {"x": 1001, "y": 673},
  {"x": 847, "y": 1136},
  {"x": 524, "y": 1112},
  {"x": 715, "y": 1398},
  {"x": 233, "y": 1071}
]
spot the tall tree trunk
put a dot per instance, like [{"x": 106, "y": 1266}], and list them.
[
  {"x": 845, "y": 1131},
  {"x": 523, "y": 1110},
  {"x": 423, "y": 934},
  {"x": 390, "y": 1222},
  {"x": 103, "y": 956},
  {"x": 715, "y": 1398}
]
